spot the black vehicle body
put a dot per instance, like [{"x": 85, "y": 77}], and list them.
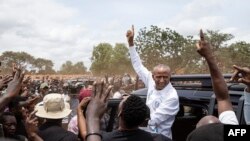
[{"x": 196, "y": 98}]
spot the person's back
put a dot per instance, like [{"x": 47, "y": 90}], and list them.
[
  {"x": 52, "y": 131},
  {"x": 128, "y": 135}
]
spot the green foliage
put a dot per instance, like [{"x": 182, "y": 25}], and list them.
[
  {"x": 109, "y": 60},
  {"x": 217, "y": 39},
  {"x": 44, "y": 66},
  {"x": 239, "y": 53},
  {"x": 120, "y": 61},
  {"x": 164, "y": 46},
  {"x": 69, "y": 68},
  {"x": 154, "y": 45},
  {"x": 101, "y": 57}
]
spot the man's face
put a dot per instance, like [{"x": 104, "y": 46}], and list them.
[
  {"x": 9, "y": 125},
  {"x": 161, "y": 77},
  {"x": 45, "y": 90}
]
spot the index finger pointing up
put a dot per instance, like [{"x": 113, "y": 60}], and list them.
[
  {"x": 133, "y": 29},
  {"x": 201, "y": 35}
]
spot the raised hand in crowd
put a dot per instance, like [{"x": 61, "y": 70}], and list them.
[
  {"x": 31, "y": 123},
  {"x": 95, "y": 110},
  {"x": 30, "y": 102},
  {"x": 13, "y": 88},
  {"x": 219, "y": 84},
  {"x": 81, "y": 117},
  {"x": 4, "y": 81},
  {"x": 26, "y": 81},
  {"x": 130, "y": 36},
  {"x": 14, "y": 69},
  {"x": 242, "y": 75},
  {"x": 210, "y": 124}
]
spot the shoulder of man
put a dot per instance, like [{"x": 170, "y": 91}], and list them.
[{"x": 160, "y": 137}]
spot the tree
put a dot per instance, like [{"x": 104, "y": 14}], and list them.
[
  {"x": 239, "y": 54},
  {"x": 101, "y": 58},
  {"x": 163, "y": 46},
  {"x": 66, "y": 68},
  {"x": 217, "y": 39},
  {"x": 120, "y": 61},
  {"x": 218, "y": 42},
  {"x": 79, "y": 68},
  {"x": 20, "y": 58},
  {"x": 44, "y": 66}
]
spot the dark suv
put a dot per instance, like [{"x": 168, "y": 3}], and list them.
[{"x": 196, "y": 100}]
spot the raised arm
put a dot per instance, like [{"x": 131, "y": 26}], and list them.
[
  {"x": 13, "y": 89},
  {"x": 31, "y": 127},
  {"x": 4, "y": 81},
  {"x": 95, "y": 110},
  {"x": 135, "y": 58},
  {"x": 80, "y": 117},
  {"x": 219, "y": 84}
]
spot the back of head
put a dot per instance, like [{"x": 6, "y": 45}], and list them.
[
  {"x": 207, "y": 120},
  {"x": 210, "y": 132},
  {"x": 134, "y": 111}
]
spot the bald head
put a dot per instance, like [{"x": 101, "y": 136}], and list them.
[
  {"x": 207, "y": 120},
  {"x": 161, "y": 67}
]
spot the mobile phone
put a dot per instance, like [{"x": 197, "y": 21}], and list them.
[{"x": 1, "y": 130}]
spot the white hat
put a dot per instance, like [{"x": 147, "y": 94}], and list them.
[{"x": 53, "y": 107}]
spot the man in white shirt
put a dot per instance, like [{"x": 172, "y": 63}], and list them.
[{"x": 162, "y": 98}]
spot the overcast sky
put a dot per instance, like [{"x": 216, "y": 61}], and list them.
[{"x": 62, "y": 30}]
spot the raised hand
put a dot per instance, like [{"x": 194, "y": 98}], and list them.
[
  {"x": 203, "y": 47},
  {"x": 98, "y": 104},
  {"x": 14, "y": 69},
  {"x": 31, "y": 123},
  {"x": 82, "y": 105},
  {"x": 4, "y": 81},
  {"x": 130, "y": 36},
  {"x": 14, "y": 86},
  {"x": 241, "y": 75}
]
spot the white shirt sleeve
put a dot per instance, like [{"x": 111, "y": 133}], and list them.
[
  {"x": 228, "y": 117},
  {"x": 247, "y": 107},
  {"x": 141, "y": 71}
]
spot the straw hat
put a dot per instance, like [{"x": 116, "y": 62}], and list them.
[{"x": 53, "y": 107}]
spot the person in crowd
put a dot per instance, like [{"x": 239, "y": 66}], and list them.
[
  {"x": 242, "y": 75},
  {"x": 54, "y": 109},
  {"x": 162, "y": 98},
  {"x": 138, "y": 83},
  {"x": 44, "y": 89},
  {"x": 13, "y": 89},
  {"x": 8, "y": 120},
  {"x": 208, "y": 126},
  {"x": 31, "y": 123},
  {"x": 132, "y": 112},
  {"x": 85, "y": 92},
  {"x": 116, "y": 91},
  {"x": 73, "y": 123},
  {"x": 73, "y": 94}
]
